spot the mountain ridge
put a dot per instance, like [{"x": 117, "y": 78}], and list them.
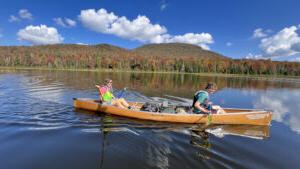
[{"x": 177, "y": 50}]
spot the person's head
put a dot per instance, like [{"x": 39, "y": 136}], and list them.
[
  {"x": 108, "y": 82},
  {"x": 211, "y": 87}
]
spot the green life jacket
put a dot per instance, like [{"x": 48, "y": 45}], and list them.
[{"x": 107, "y": 96}]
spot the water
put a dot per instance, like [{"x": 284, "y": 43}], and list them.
[{"x": 39, "y": 128}]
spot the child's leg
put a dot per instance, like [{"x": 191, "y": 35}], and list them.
[
  {"x": 124, "y": 102},
  {"x": 118, "y": 104}
]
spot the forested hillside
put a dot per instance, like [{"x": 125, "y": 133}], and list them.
[{"x": 159, "y": 57}]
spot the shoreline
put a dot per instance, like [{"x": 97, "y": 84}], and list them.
[{"x": 267, "y": 77}]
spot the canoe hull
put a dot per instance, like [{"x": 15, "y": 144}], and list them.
[{"x": 237, "y": 116}]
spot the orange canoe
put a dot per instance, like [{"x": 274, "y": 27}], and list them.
[{"x": 232, "y": 116}]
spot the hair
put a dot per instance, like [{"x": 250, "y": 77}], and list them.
[
  {"x": 211, "y": 85},
  {"x": 106, "y": 81}
]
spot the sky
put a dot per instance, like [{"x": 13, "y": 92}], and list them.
[{"x": 234, "y": 28}]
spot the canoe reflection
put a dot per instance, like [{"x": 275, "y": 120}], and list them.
[
  {"x": 161, "y": 142},
  {"x": 200, "y": 135},
  {"x": 250, "y": 131}
]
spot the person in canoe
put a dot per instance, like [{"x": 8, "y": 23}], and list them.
[
  {"x": 201, "y": 103},
  {"x": 107, "y": 97}
]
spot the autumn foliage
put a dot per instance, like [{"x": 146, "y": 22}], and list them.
[{"x": 147, "y": 59}]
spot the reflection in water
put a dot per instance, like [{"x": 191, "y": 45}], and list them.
[
  {"x": 157, "y": 149},
  {"x": 285, "y": 106},
  {"x": 36, "y": 110},
  {"x": 152, "y": 84},
  {"x": 250, "y": 131},
  {"x": 200, "y": 140}
]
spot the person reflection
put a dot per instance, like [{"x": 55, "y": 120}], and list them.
[{"x": 200, "y": 139}]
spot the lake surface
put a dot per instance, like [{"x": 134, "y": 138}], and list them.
[{"x": 39, "y": 128}]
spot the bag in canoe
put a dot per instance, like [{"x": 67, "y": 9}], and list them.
[{"x": 151, "y": 107}]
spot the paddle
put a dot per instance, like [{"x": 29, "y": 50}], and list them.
[
  {"x": 122, "y": 92},
  {"x": 209, "y": 117}
]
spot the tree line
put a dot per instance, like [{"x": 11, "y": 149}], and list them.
[{"x": 110, "y": 57}]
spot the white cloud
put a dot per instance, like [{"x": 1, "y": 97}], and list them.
[
  {"x": 40, "y": 35},
  {"x": 296, "y": 47},
  {"x": 228, "y": 44},
  {"x": 140, "y": 28},
  {"x": 13, "y": 18},
  {"x": 284, "y": 43},
  {"x": 70, "y": 22},
  {"x": 284, "y": 104},
  {"x": 259, "y": 33},
  {"x": 59, "y": 22},
  {"x": 254, "y": 56},
  {"x": 66, "y": 22},
  {"x": 99, "y": 21},
  {"x": 25, "y": 14},
  {"x": 85, "y": 44},
  {"x": 201, "y": 39},
  {"x": 163, "y": 5}
]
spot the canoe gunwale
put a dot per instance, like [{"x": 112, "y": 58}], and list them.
[{"x": 247, "y": 116}]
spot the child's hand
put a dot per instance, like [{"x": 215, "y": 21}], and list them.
[{"x": 216, "y": 107}]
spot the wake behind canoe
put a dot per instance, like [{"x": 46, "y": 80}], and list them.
[{"x": 233, "y": 116}]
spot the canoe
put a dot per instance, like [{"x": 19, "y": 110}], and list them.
[{"x": 232, "y": 115}]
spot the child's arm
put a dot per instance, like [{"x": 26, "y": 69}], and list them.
[{"x": 100, "y": 94}]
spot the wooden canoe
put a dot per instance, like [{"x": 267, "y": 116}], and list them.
[{"x": 232, "y": 116}]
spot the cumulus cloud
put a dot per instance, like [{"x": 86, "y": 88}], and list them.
[
  {"x": 284, "y": 43},
  {"x": 140, "y": 28},
  {"x": 40, "y": 35},
  {"x": 66, "y": 22},
  {"x": 23, "y": 14},
  {"x": 259, "y": 33},
  {"x": 201, "y": 39}
]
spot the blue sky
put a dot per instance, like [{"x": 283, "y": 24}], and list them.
[{"x": 235, "y": 28}]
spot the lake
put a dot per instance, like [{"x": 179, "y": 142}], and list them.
[{"x": 39, "y": 128}]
